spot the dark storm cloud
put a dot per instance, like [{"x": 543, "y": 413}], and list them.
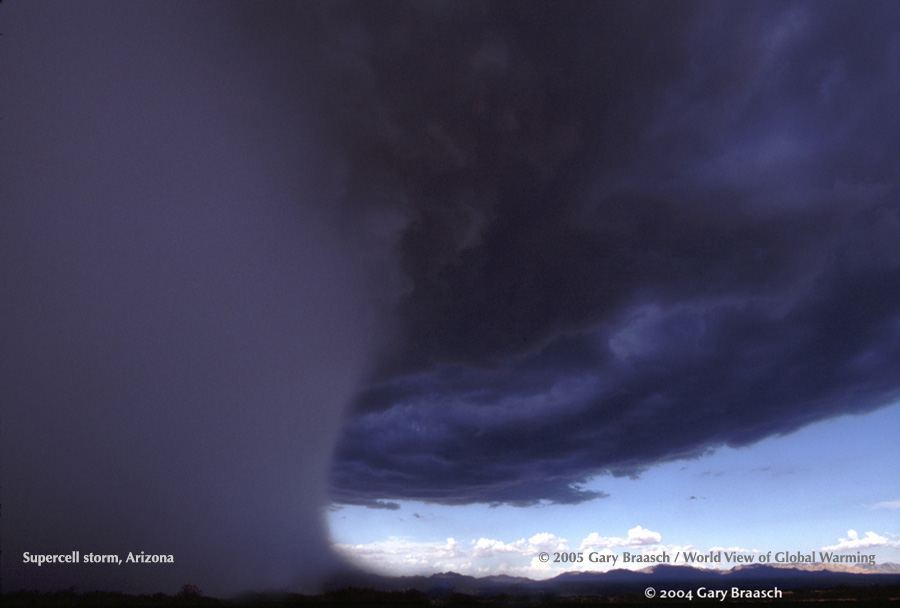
[
  {"x": 629, "y": 233},
  {"x": 610, "y": 234}
]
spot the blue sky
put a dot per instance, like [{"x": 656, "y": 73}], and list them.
[{"x": 800, "y": 492}]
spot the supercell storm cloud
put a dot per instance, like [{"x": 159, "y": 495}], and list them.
[
  {"x": 631, "y": 232},
  {"x": 531, "y": 243}
]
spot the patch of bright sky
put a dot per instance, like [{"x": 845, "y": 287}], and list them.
[{"x": 800, "y": 492}]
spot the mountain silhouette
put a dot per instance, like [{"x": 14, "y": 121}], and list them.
[{"x": 618, "y": 581}]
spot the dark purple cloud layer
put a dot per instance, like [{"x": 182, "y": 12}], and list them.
[
  {"x": 631, "y": 232},
  {"x": 606, "y": 235}
]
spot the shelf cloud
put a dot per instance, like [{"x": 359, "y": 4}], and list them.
[{"x": 629, "y": 233}]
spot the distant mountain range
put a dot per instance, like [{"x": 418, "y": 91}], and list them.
[{"x": 614, "y": 582}]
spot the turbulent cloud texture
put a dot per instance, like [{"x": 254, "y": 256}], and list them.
[
  {"x": 628, "y": 233},
  {"x": 595, "y": 236}
]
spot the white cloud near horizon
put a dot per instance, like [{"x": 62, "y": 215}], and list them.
[
  {"x": 488, "y": 556},
  {"x": 400, "y": 556},
  {"x": 541, "y": 542},
  {"x": 637, "y": 537},
  {"x": 854, "y": 542}
]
